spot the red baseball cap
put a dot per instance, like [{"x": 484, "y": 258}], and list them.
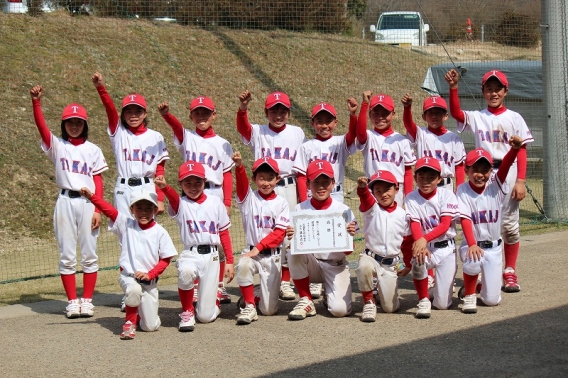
[
  {"x": 202, "y": 102},
  {"x": 74, "y": 111},
  {"x": 434, "y": 102},
  {"x": 319, "y": 167},
  {"x": 276, "y": 98},
  {"x": 324, "y": 107},
  {"x": 474, "y": 155},
  {"x": 134, "y": 99},
  {"x": 497, "y": 74},
  {"x": 268, "y": 161},
  {"x": 385, "y": 176},
  {"x": 383, "y": 100},
  {"x": 191, "y": 168},
  {"x": 428, "y": 162}
]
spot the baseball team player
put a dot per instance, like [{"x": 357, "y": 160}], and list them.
[
  {"x": 433, "y": 212},
  {"x": 437, "y": 142},
  {"x": 78, "y": 163},
  {"x": 326, "y": 146},
  {"x": 214, "y": 152},
  {"x": 265, "y": 217},
  {"x": 480, "y": 202},
  {"x": 492, "y": 128},
  {"x": 329, "y": 268},
  {"x": 204, "y": 225},
  {"x": 146, "y": 251},
  {"x": 280, "y": 141},
  {"x": 385, "y": 226}
]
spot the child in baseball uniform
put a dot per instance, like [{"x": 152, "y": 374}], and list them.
[
  {"x": 280, "y": 141},
  {"x": 329, "y": 268},
  {"x": 480, "y": 204},
  {"x": 265, "y": 218},
  {"x": 204, "y": 225},
  {"x": 214, "y": 152},
  {"x": 326, "y": 146},
  {"x": 78, "y": 163},
  {"x": 433, "y": 213},
  {"x": 437, "y": 142},
  {"x": 385, "y": 226},
  {"x": 146, "y": 251},
  {"x": 492, "y": 128}
]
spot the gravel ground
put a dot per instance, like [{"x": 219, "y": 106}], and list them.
[{"x": 525, "y": 336}]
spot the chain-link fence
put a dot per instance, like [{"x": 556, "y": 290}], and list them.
[{"x": 313, "y": 50}]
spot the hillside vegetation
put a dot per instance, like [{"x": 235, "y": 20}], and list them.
[{"x": 166, "y": 62}]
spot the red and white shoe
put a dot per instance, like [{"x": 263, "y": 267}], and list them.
[
  {"x": 511, "y": 284},
  {"x": 128, "y": 331}
]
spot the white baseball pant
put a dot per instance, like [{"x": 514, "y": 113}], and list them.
[
  {"x": 387, "y": 281},
  {"x": 289, "y": 192},
  {"x": 192, "y": 265},
  {"x": 122, "y": 192},
  {"x": 491, "y": 267},
  {"x": 334, "y": 274},
  {"x": 72, "y": 222},
  {"x": 444, "y": 261},
  {"x": 269, "y": 271},
  {"x": 143, "y": 296},
  {"x": 510, "y": 211}
]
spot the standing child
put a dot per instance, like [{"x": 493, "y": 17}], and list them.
[
  {"x": 385, "y": 226},
  {"x": 329, "y": 268},
  {"x": 146, "y": 251},
  {"x": 78, "y": 163},
  {"x": 206, "y": 147},
  {"x": 265, "y": 218},
  {"x": 281, "y": 142},
  {"x": 492, "y": 128},
  {"x": 204, "y": 225},
  {"x": 433, "y": 212},
  {"x": 480, "y": 203},
  {"x": 436, "y": 142}
]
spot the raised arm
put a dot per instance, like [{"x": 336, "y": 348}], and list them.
[
  {"x": 110, "y": 109},
  {"x": 36, "y": 93},
  {"x": 243, "y": 125},
  {"x": 407, "y": 119},
  {"x": 171, "y": 120}
]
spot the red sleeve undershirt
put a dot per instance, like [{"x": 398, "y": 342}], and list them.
[
  {"x": 409, "y": 124},
  {"x": 176, "y": 126},
  {"x": 111, "y": 112},
  {"x": 455, "y": 109},
  {"x": 408, "y": 180},
  {"x": 44, "y": 131},
  {"x": 522, "y": 163},
  {"x": 242, "y": 182},
  {"x": 460, "y": 174},
  {"x": 467, "y": 227},
  {"x": 172, "y": 196},
  {"x": 107, "y": 209},
  {"x": 367, "y": 199},
  {"x": 99, "y": 188},
  {"x": 351, "y": 131},
  {"x": 272, "y": 240},
  {"x": 362, "y": 123},
  {"x": 160, "y": 171},
  {"x": 227, "y": 188},
  {"x": 438, "y": 231},
  {"x": 243, "y": 125},
  {"x": 508, "y": 160},
  {"x": 227, "y": 246},
  {"x": 302, "y": 187},
  {"x": 159, "y": 268}
]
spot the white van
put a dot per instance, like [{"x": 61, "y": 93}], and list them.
[{"x": 400, "y": 28}]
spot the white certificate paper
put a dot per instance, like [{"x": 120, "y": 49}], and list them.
[{"x": 319, "y": 232}]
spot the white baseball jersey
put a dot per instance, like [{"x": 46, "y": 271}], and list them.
[
  {"x": 392, "y": 153},
  {"x": 214, "y": 153},
  {"x": 261, "y": 216},
  {"x": 282, "y": 147},
  {"x": 448, "y": 149},
  {"x": 384, "y": 231},
  {"x": 333, "y": 150},
  {"x": 335, "y": 206},
  {"x": 200, "y": 223},
  {"x": 141, "y": 249},
  {"x": 137, "y": 155},
  {"x": 484, "y": 210},
  {"x": 492, "y": 131},
  {"x": 429, "y": 212},
  {"x": 75, "y": 166}
]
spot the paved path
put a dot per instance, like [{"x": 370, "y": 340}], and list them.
[{"x": 526, "y": 336}]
